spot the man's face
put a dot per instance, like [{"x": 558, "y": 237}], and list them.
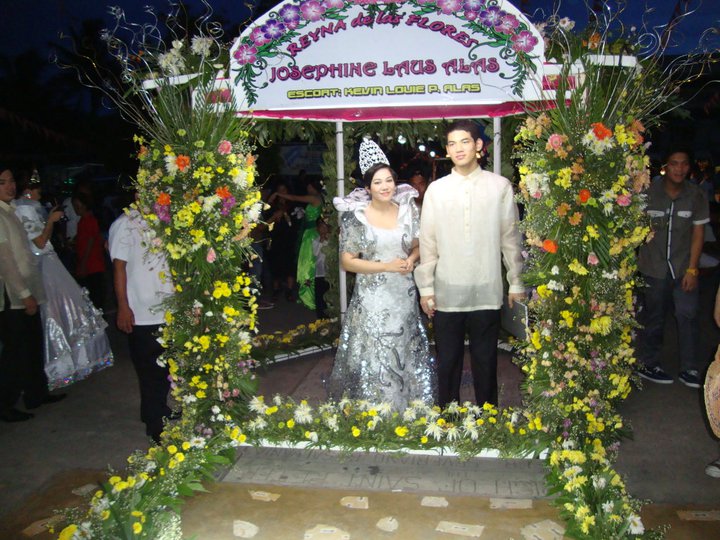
[
  {"x": 419, "y": 183},
  {"x": 7, "y": 186},
  {"x": 461, "y": 148},
  {"x": 677, "y": 167}
]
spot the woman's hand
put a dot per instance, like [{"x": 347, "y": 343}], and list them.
[{"x": 400, "y": 266}]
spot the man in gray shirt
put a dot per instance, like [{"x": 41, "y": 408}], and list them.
[{"x": 668, "y": 263}]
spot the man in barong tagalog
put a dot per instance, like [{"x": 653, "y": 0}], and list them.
[{"x": 468, "y": 228}]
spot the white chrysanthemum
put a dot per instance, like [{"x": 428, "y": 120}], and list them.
[
  {"x": 326, "y": 409},
  {"x": 568, "y": 444},
  {"x": 453, "y": 433},
  {"x": 453, "y": 408},
  {"x": 597, "y": 146},
  {"x": 610, "y": 275},
  {"x": 344, "y": 403},
  {"x": 332, "y": 422},
  {"x": 608, "y": 507},
  {"x": 434, "y": 431},
  {"x": 177, "y": 45},
  {"x": 170, "y": 165},
  {"x": 197, "y": 442},
  {"x": 636, "y": 524},
  {"x": 409, "y": 415},
  {"x": 555, "y": 285},
  {"x": 277, "y": 400},
  {"x": 257, "y": 405},
  {"x": 201, "y": 45},
  {"x": 189, "y": 398},
  {"x": 253, "y": 213},
  {"x": 555, "y": 270},
  {"x": 599, "y": 482},
  {"x": 364, "y": 405},
  {"x": 215, "y": 409},
  {"x": 210, "y": 202},
  {"x": 537, "y": 184},
  {"x": 172, "y": 63},
  {"x": 303, "y": 414},
  {"x": 384, "y": 409},
  {"x": 256, "y": 424},
  {"x": 240, "y": 179},
  {"x": 432, "y": 414}
]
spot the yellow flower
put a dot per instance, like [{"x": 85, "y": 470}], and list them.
[
  {"x": 601, "y": 325},
  {"x": 68, "y": 532},
  {"x": 578, "y": 268},
  {"x": 172, "y": 449},
  {"x": 423, "y": 439},
  {"x": 291, "y": 423},
  {"x": 401, "y": 431},
  {"x": 137, "y": 527},
  {"x": 355, "y": 431}
]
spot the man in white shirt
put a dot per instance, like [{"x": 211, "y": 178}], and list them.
[
  {"x": 140, "y": 290},
  {"x": 468, "y": 228}
]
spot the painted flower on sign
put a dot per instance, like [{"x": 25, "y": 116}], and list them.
[
  {"x": 449, "y": 7},
  {"x": 312, "y": 10},
  {"x": 273, "y": 29},
  {"x": 259, "y": 37},
  {"x": 524, "y": 41},
  {"x": 245, "y": 54},
  {"x": 508, "y": 24}
]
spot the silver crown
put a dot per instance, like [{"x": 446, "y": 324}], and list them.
[{"x": 371, "y": 154}]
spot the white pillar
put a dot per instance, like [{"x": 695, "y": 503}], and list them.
[
  {"x": 497, "y": 141},
  {"x": 340, "y": 170}
]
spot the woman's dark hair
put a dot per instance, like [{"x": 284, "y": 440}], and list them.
[
  {"x": 316, "y": 183},
  {"x": 368, "y": 176}
]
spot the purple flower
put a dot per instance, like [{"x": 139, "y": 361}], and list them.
[
  {"x": 245, "y": 54},
  {"x": 491, "y": 16},
  {"x": 449, "y": 7},
  {"x": 162, "y": 211},
  {"x": 471, "y": 15},
  {"x": 508, "y": 24},
  {"x": 312, "y": 10},
  {"x": 289, "y": 13},
  {"x": 273, "y": 29},
  {"x": 524, "y": 41},
  {"x": 473, "y": 5},
  {"x": 258, "y": 36},
  {"x": 330, "y": 4},
  {"x": 228, "y": 203}
]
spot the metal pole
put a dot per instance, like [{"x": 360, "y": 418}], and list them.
[
  {"x": 497, "y": 141},
  {"x": 340, "y": 170}
]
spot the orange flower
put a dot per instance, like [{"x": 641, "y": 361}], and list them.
[
  {"x": 142, "y": 152},
  {"x": 562, "y": 209},
  {"x": 550, "y": 246},
  {"x": 163, "y": 199},
  {"x": 182, "y": 162},
  {"x": 250, "y": 159},
  {"x": 601, "y": 131},
  {"x": 223, "y": 192},
  {"x": 575, "y": 218},
  {"x": 584, "y": 195},
  {"x": 594, "y": 41}
]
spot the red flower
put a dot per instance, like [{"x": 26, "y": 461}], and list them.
[
  {"x": 182, "y": 162},
  {"x": 584, "y": 195},
  {"x": 600, "y": 131},
  {"x": 163, "y": 199},
  {"x": 223, "y": 192},
  {"x": 550, "y": 246}
]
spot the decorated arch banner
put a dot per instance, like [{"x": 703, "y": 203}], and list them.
[{"x": 363, "y": 60}]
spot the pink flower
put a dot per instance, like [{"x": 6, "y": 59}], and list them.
[
  {"x": 312, "y": 10},
  {"x": 330, "y": 4},
  {"x": 524, "y": 41},
  {"x": 245, "y": 54},
  {"x": 508, "y": 24},
  {"x": 211, "y": 256},
  {"x": 449, "y": 7},
  {"x": 592, "y": 258},
  {"x": 555, "y": 141},
  {"x": 623, "y": 200},
  {"x": 258, "y": 36},
  {"x": 224, "y": 148}
]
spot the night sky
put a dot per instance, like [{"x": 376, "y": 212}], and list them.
[{"x": 27, "y": 24}]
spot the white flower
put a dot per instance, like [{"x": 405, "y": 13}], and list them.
[
  {"x": 277, "y": 400},
  {"x": 433, "y": 430},
  {"x": 610, "y": 275},
  {"x": 215, "y": 409},
  {"x": 254, "y": 212},
  {"x": 189, "y": 398},
  {"x": 608, "y": 507},
  {"x": 599, "y": 482},
  {"x": 303, "y": 414},
  {"x": 384, "y": 409},
  {"x": 172, "y": 63},
  {"x": 409, "y": 415},
  {"x": 257, "y": 405},
  {"x": 636, "y": 524},
  {"x": 210, "y": 202},
  {"x": 201, "y": 45},
  {"x": 257, "y": 424},
  {"x": 197, "y": 442},
  {"x": 177, "y": 45},
  {"x": 555, "y": 285},
  {"x": 453, "y": 433},
  {"x": 569, "y": 444},
  {"x": 170, "y": 165},
  {"x": 453, "y": 408},
  {"x": 332, "y": 422},
  {"x": 240, "y": 179},
  {"x": 566, "y": 24},
  {"x": 555, "y": 270},
  {"x": 312, "y": 435},
  {"x": 537, "y": 184}
]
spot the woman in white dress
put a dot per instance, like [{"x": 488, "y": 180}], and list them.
[
  {"x": 74, "y": 330},
  {"x": 383, "y": 353}
]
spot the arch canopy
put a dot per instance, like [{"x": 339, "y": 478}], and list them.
[{"x": 361, "y": 60}]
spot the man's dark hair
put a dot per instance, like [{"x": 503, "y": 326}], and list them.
[
  {"x": 368, "y": 176},
  {"x": 678, "y": 149},
  {"x": 463, "y": 125}
]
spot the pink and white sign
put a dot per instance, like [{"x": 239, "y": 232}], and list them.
[{"x": 364, "y": 60}]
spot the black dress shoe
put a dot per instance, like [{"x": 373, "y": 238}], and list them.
[
  {"x": 13, "y": 415},
  {"x": 50, "y": 398}
]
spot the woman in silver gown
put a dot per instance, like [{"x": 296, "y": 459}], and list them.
[
  {"x": 74, "y": 330},
  {"x": 383, "y": 353}
]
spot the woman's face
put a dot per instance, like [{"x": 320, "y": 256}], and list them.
[{"x": 382, "y": 185}]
